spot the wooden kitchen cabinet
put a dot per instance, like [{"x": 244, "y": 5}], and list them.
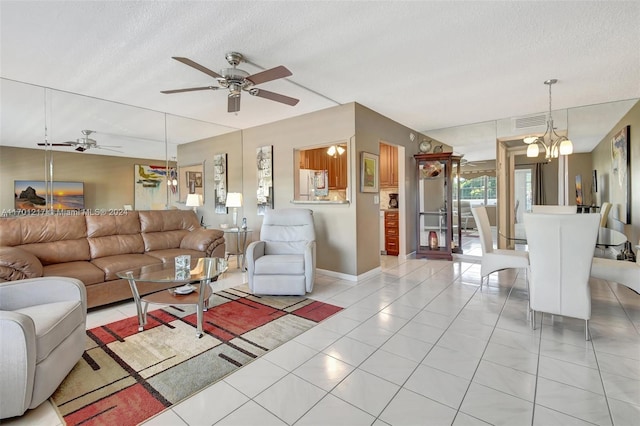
[
  {"x": 388, "y": 166},
  {"x": 336, "y": 167},
  {"x": 391, "y": 233}
]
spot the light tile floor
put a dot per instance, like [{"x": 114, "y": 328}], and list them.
[{"x": 418, "y": 343}]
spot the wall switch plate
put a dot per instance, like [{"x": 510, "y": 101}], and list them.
[{"x": 376, "y": 199}]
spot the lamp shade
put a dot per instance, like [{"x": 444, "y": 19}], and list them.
[
  {"x": 533, "y": 150},
  {"x": 193, "y": 200},
  {"x": 234, "y": 199}
]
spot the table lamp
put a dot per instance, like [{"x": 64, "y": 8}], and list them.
[
  {"x": 234, "y": 200},
  {"x": 194, "y": 200}
]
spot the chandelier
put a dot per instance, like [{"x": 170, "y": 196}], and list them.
[{"x": 552, "y": 143}]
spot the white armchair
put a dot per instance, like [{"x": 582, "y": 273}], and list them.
[
  {"x": 42, "y": 332},
  {"x": 560, "y": 255},
  {"x": 283, "y": 262}
]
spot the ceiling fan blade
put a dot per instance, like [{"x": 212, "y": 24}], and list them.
[
  {"x": 274, "y": 96},
  {"x": 54, "y": 144},
  {"x": 233, "y": 104},
  {"x": 268, "y": 75},
  {"x": 81, "y": 149},
  {"x": 191, "y": 89},
  {"x": 108, "y": 149},
  {"x": 197, "y": 66}
]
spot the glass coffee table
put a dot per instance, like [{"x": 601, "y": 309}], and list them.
[{"x": 192, "y": 286}]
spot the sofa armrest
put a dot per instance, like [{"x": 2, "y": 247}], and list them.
[
  {"x": 36, "y": 291},
  {"x": 204, "y": 240},
  {"x": 254, "y": 251},
  {"x": 18, "y": 264},
  {"x": 17, "y": 363},
  {"x": 310, "y": 265}
]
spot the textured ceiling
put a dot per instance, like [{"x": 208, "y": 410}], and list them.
[{"x": 428, "y": 65}]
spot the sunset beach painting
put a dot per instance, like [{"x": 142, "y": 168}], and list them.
[{"x": 31, "y": 194}]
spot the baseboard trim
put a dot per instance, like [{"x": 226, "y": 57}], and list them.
[{"x": 349, "y": 277}]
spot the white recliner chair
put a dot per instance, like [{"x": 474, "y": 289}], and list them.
[
  {"x": 560, "y": 254},
  {"x": 283, "y": 262},
  {"x": 43, "y": 335}
]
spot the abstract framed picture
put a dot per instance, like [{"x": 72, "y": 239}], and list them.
[
  {"x": 369, "y": 175},
  {"x": 264, "y": 163},
  {"x": 620, "y": 165},
  {"x": 220, "y": 183},
  {"x": 150, "y": 189}
]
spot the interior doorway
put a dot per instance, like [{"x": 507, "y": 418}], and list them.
[{"x": 392, "y": 201}]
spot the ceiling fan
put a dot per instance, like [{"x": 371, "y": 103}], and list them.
[
  {"x": 84, "y": 143},
  {"x": 237, "y": 80}
]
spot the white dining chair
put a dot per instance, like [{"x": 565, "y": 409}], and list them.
[
  {"x": 560, "y": 255},
  {"x": 554, "y": 209},
  {"x": 495, "y": 259},
  {"x": 604, "y": 214}
]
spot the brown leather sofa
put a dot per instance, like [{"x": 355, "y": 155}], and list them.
[{"x": 93, "y": 248}]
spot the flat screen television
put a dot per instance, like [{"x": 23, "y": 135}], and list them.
[{"x": 31, "y": 194}]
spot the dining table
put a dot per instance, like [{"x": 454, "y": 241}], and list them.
[{"x": 607, "y": 237}]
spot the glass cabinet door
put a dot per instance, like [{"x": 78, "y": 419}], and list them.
[{"x": 438, "y": 217}]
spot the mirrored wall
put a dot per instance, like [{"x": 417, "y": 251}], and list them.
[{"x": 113, "y": 154}]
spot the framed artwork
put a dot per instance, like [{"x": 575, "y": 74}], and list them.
[
  {"x": 620, "y": 164},
  {"x": 369, "y": 175},
  {"x": 579, "y": 194},
  {"x": 220, "y": 183},
  {"x": 149, "y": 192},
  {"x": 32, "y": 195},
  {"x": 191, "y": 180},
  {"x": 264, "y": 163},
  {"x": 194, "y": 179}
]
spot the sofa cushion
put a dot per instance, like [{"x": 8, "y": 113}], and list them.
[
  {"x": 105, "y": 225},
  {"x": 123, "y": 262},
  {"x": 41, "y": 229},
  {"x": 59, "y": 251},
  {"x": 85, "y": 271},
  {"x": 163, "y": 240},
  {"x": 53, "y": 322},
  {"x": 275, "y": 264},
  {"x": 168, "y": 220},
  {"x": 115, "y": 244},
  {"x": 169, "y": 255}
]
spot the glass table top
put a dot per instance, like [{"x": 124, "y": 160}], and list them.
[{"x": 205, "y": 268}]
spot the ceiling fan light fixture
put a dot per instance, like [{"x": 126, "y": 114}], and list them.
[{"x": 237, "y": 80}]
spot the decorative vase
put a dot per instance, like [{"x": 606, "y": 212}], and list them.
[
  {"x": 244, "y": 223},
  {"x": 433, "y": 240}
]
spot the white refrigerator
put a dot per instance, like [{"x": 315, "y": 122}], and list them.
[{"x": 313, "y": 183}]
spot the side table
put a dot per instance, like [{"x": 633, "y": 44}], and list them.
[{"x": 240, "y": 236}]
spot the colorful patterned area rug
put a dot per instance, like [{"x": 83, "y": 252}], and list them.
[{"x": 126, "y": 376}]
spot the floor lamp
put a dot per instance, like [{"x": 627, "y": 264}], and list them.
[{"x": 234, "y": 200}]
